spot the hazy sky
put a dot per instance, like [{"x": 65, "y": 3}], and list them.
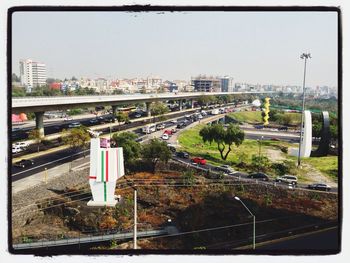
[{"x": 253, "y": 47}]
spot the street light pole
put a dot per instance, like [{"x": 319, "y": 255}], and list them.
[
  {"x": 135, "y": 218},
  {"x": 303, "y": 56},
  {"x": 262, "y": 137},
  {"x": 238, "y": 199}
]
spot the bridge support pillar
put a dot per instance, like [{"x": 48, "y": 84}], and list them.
[
  {"x": 148, "y": 109},
  {"x": 114, "y": 110},
  {"x": 180, "y": 104},
  {"x": 192, "y": 103},
  {"x": 39, "y": 122}
]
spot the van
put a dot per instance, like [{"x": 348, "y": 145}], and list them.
[{"x": 149, "y": 128}]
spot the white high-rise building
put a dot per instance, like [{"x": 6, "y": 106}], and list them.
[{"x": 32, "y": 74}]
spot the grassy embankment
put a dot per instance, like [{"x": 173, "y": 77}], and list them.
[
  {"x": 254, "y": 117},
  {"x": 191, "y": 141}
]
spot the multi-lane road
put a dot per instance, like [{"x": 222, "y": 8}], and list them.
[{"x": 66, "y": 155}]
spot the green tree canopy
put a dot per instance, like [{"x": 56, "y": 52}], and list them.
[
  {"x": 122, "y": 116},
  {"x": 155, "y": 151},
  {"x": 222, "y": 137},
  {"x": 76, "y": 138},
  {"x": 35, "y": 135},
  {"x": 131, "y": 148},
  {"x": 204, "y": 100}
]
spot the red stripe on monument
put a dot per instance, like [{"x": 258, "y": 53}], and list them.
[{"x": 92, "y": 177}]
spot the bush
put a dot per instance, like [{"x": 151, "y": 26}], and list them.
[
  {"x": 261, "y": 163},
  {"x": 284, "y": 149}
]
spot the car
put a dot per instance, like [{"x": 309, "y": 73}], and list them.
[
  {"x": 68, "y": 118},
  {"x": 22, "y": 145},
  {"x": 165, "y": 136},
  {"x": 181, "y": 125},
  {"x": 101, "y": 120},
  {"x": 259, "y": 175},
  {"x": 259, "y": 127},
  {"x": 93, "y": 121},
  {"x": 173, "y": 121},
  {"x": 24, "y": 163},
  {"x": 184, "y": 155},
  {"x": 172, "y": 147},
  {"x": 74, "y": 125},
  {"x": 199, "y": 116},
  {"x": 199, "y": 160},
  {"x": 225, "y": 168},
  {"x": 289, "y": 179},
  {"x": 284, "y": 128},
  {"x": 169, "y": 132},
  {"x": 160, "y": 126},
  {"x": 16, "y": 149},
  {"x": 320, "y": 187},
  {"x": 94, "y": 134},
  {"x": 275, "y": 139}
]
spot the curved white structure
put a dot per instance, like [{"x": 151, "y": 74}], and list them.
[
  {"x": 106, "y": 166},
  {"x": 306, "y": 137}
]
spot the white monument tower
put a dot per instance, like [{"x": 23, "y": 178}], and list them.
[
  {"x": 306, "y": 137},
  {"x": 106, "y": 166}
]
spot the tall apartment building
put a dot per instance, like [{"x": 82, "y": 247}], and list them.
[
  {"x": 204, "y": 83},
  {"x": 32, "y": 74}
]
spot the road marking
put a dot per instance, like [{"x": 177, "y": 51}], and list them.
[{"x": 49, "y": 163}]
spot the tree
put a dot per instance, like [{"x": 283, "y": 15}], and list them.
[
  {"x": 205, "y": 100},
  {"x": 76, "y": 138},
  {"x": 188, "y": 177},
  {"x": 131, "y": 148},
  {"x": 15, "y": 78},
  {"x": 122, "y": 117},
  {"x": 260, "y": 163},
  {"x": 156, "y": 151},
  {"x": 35, "y": 135},
  {"x": 18, "y": 91},
  {"x": 222, "y": 137},
  {"x": 158, "y": 109}
]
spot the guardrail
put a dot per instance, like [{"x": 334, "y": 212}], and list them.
[{"x": 89, "y": 239}]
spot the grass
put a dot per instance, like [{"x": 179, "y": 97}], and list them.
[
  {"x": 327, "y": 165},
  {"x": 247, "y": 116},
  {"x": 254, "y": 117},
  {"x": 191, "y": 142}
]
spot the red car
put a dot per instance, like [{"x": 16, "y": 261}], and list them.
[
  {"x": 169, "y": 132},
  {"x": 199, "y": 160}
]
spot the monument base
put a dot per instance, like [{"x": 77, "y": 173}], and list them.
[{"x": 102, "y": 203}]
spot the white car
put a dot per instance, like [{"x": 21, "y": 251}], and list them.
[
  {"x": 174, "y": 121},
  {"x": 16, "y": 149},
  {"x": 68, "y": 118},
  {"x": 94, "y": 134},
  {"x": 165, "y": 136},
  {"x": 289, "y": 179},
  {"x": 21, "y": 144},
  {"x": 200, "y": 116},
  {"x": 160, "y": 126}
]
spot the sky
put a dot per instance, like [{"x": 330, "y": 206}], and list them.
[{"x": 251, "y": 47}]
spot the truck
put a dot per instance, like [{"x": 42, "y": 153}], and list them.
[
  {"x": 215, "y": 112},
  {"x": 149, "y": 128}
]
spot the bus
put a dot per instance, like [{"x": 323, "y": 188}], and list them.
[
  {"x": 127, "y": 109},
  {"x": 149, "y": 128}
]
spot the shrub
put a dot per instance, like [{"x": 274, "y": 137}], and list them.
[{"x": 284, "y": 149}]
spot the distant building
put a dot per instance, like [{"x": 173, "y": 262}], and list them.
[
  {"x": 203, "y": 83},
  {"x": 226, "y": 84},
  {"x": 32, "y": 74}
]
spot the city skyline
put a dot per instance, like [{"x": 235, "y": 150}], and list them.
[{"x": 117, "y": 45}]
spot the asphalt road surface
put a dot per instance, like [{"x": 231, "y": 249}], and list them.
[{"x": 323, "y": 241}]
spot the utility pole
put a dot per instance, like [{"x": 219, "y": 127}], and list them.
[
  {"x": 303, "y": 56},
  {"x": 135, "y": 218}
]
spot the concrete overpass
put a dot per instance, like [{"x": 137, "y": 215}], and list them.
[{"x": 39, "y": 105}]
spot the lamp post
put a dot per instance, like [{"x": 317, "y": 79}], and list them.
[
  {"x": 303, "y": 56},
  {"x": 259, "y": 140},
  {"x": 238, "y": 199}
]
